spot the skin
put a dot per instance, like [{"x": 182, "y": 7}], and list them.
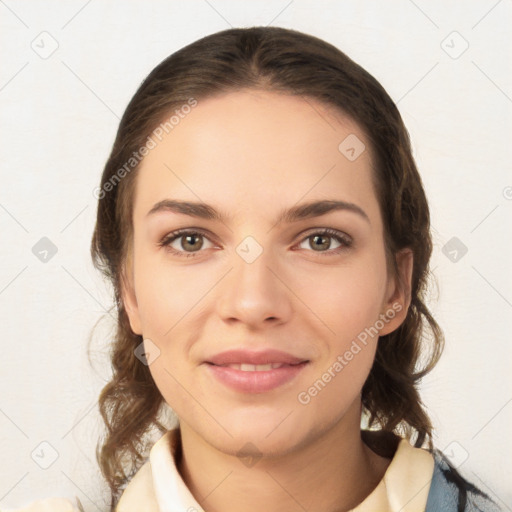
[{"x": 251, "y": 154}]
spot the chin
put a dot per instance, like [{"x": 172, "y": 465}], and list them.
[
  {"x": 253, "y": 447},
  {"x": 257, "y": 435}
]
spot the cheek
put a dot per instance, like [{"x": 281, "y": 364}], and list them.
[
  {"x": 350, "y": 307},
  {"x": 166, "y": 293},
  {"x": 331, "y": 392},
  {"x": 347, "y": 299}
]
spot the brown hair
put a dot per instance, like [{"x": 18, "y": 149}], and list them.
[{"x": 282, "y": 60}]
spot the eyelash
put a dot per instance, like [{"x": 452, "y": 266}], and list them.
[{"x": 346, "y": 241}]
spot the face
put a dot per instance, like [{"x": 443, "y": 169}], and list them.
[{"x": 251, "y": 278}]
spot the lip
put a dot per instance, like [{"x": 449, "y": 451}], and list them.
[
  {"x": 254, "y": 381},
  {"x": 254, "y": 357}
]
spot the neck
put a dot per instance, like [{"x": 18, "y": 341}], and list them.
[{"x": 332, "y": 471}]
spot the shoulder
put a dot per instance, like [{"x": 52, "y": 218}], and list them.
[
  {"x": 451, "y": 492},
  {"x": 139, "y": 494}
]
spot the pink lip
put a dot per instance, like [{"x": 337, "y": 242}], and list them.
[
  {"x": 257, "y": 381},
  {"x": 252, "y": 357}
]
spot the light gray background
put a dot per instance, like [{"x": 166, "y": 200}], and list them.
[{"x": 59, "y": 115}]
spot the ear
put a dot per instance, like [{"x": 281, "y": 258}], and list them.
[
  {"x": 128, "y": 296},
  {"x": 398, "y": 293}
]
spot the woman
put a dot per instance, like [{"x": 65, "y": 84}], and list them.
[{"x": 265, "y": 228}]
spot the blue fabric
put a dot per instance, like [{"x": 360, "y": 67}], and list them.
[{"x": 450, "y": 492}]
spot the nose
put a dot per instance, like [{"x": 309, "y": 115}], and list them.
[{"x": 255, "y": 292}]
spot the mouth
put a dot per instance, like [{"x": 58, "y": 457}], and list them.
[
  {"x": 251, "y": 360},
  {"x": 248, "y": 367},
  {"x": 250, "y": 371}
]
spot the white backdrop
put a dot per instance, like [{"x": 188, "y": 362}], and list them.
[{"x": 68, "y": 71}]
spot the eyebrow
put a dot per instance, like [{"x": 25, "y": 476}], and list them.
[{"x": 294, "y": 214}]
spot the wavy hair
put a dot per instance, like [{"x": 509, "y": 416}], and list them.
[{"x": 287, "y": 61}]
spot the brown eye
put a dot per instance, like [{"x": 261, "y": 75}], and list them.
[
  {"x": 184, "y": 243},
  {"x": 321, "y": 241},
  {"x": 193, "y": 242}
]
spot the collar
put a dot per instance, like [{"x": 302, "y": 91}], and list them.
[{"x": 158, "y": 486}]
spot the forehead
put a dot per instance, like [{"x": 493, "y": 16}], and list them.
[{"x": 255, "y": 148}]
